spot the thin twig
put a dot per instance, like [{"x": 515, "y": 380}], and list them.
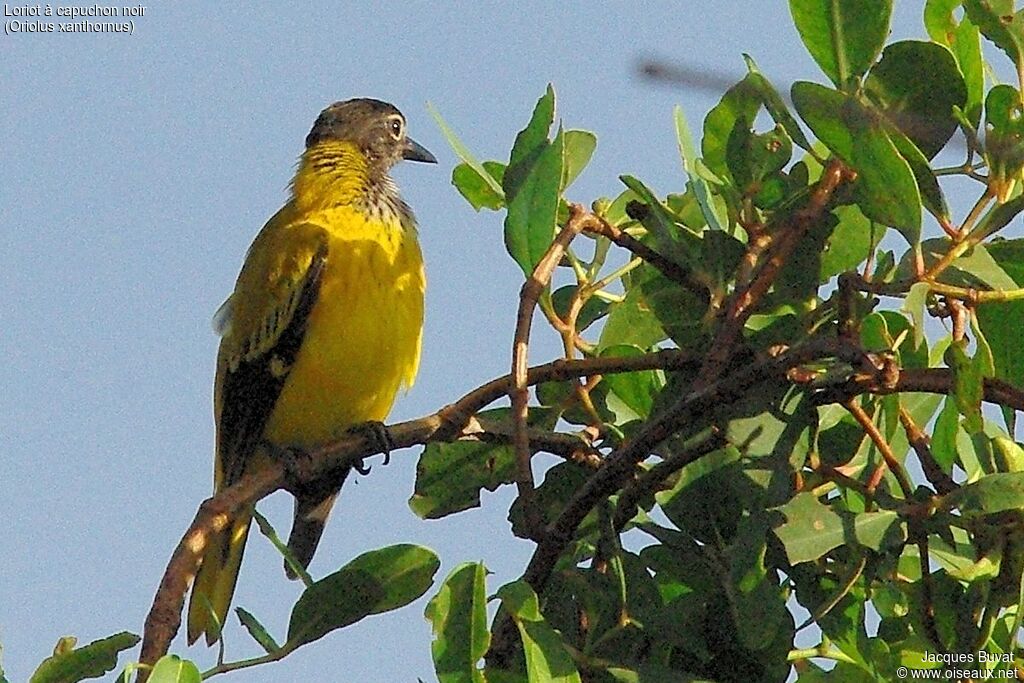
[
  {"x": 935, "y": 475},
  {"x": 649, "y": 481},
  {"x": 519, "y": 394},
  {"x": 744, "y": 300},
  {"x": 894, "y": 465},
  {"x": 668, "y": 268}
]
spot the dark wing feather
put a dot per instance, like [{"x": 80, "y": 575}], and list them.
[{"x": 252, "y": 385}]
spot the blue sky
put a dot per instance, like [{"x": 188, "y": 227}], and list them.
[{"x": 136, "y": 171}]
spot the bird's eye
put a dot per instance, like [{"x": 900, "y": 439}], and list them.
[{"x": 396, "y": 125}]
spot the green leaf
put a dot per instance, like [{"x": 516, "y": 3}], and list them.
[
  {"x": 579, "y": 147},
  {"x": 89, "y": 661},
  {"x": 476, "y": 189},
  {"x": 257, "y": 630},
  {"x": 916, "y": 84},
  {"x": 964, "y": 40},
  {"x": 931, "y": 193},
  {"x": 560, "y": 482},
  {"x": 822, "y": 109},
  {"x": 886, "y": 189},
  {"x": 980, "y": 263},
  {"x": 450, "y": 476},
  {"x": 775, "y": 105},
  {"x": 695, "y": 183},
  {"x": 530, "y": 143},
  {"x": 968, "y": 386},
  {"x": 590, "y": 312},
  {"x": 377, "y": 581},
  {"x": 843, "y": 36},
  {"x": 992, "y": 493},
  {"x": 914, "y": 306},
  {"x": 740, "y": 102},
  {"x": 812, "y": 529},
  {"x": 631, "y": 322},
  {"x": 173, "y": 669},
  {"x": 673, "y": 239},
  {"x": 463, "y": 152},
  {"x": 1000, "y": 24},
  {"x": 944, "y": 435},
  {"x": 546, "y": 657},
  {"x": 636, "y": 389},
  {"x": 458, "y": 614},
  {"x": 533, "y": 206},
  {"x": 848, "y": 245},
  {"x": 1003, "y": 321}
]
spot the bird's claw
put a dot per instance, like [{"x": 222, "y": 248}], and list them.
[{"x": 377, "y": 433}]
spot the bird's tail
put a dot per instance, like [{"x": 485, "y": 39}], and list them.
[
  {"x": 215, "y": 581},
  {"x": 312, "y": 508}
]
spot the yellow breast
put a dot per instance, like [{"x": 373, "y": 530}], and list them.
[{"x": 362, "y": 341}]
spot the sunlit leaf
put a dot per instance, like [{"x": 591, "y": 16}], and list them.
[
  {"x": 458, "y": 614},
  {"x": 89, "y": 661},
  {"x": 377, "y": 581},
  {"x": 843, "y": 36}
]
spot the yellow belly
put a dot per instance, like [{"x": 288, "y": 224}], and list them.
[{"x": 362, "y": 341}]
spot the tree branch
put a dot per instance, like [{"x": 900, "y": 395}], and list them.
[
  {"x": 787, "y": 237},
  {"x": 519, "y": 395}
]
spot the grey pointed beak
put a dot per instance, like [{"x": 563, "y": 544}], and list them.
[{"x": 414, "y": 151}]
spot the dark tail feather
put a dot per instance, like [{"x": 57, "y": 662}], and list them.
[{"x": 312, "y": 508}]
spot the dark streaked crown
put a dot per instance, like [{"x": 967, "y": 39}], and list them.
[{"x": 375, "y": 127}]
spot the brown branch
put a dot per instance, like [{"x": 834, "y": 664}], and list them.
[
  {"x": 888, "y": 457},
  {"x": 936, "y": 476},
  {"x": 648, "y": 482},
  {"x": 667, "y": 267},
  {"x": 788, "y": 236},
  {"x": 456, "y": 421},
  {"x": 621, "y": 463},
  {"x": 519, "y": 395},
  {"x": 449, "y": 423}
]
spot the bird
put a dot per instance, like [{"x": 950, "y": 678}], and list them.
[{"x": 323, "y": 329}]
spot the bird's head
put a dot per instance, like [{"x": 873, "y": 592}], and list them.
[{"x": 376, "y": 128}]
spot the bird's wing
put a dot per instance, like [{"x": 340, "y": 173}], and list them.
[{"x": 276, "y": 290}]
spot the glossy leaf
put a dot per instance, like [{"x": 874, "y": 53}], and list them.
[
  {"x": 173, "y": 669},
  {"x": 546, "y": 657},
  {"x": 964, "y": 40},
  {"x": 258, "y": 632},
  {"x": 916, "y": 84},
  {"x": 843, "y": 36},
  {"x": 377, "y": 581},
  {"x": 458, "y": 614},
  {"x": 450, "y": 476},
  {"x": 812, "y": 529},
  {"x": 696, "y": 184},
  {"x": 477, "y": 190},
  {"x": 1000, "y": 24},
  {"x": 89, "y": 661}
]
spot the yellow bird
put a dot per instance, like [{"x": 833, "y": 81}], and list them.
[{"x": 322, "y": 330}]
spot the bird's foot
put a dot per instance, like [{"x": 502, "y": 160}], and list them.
[{"x": 379, "y": 438}]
